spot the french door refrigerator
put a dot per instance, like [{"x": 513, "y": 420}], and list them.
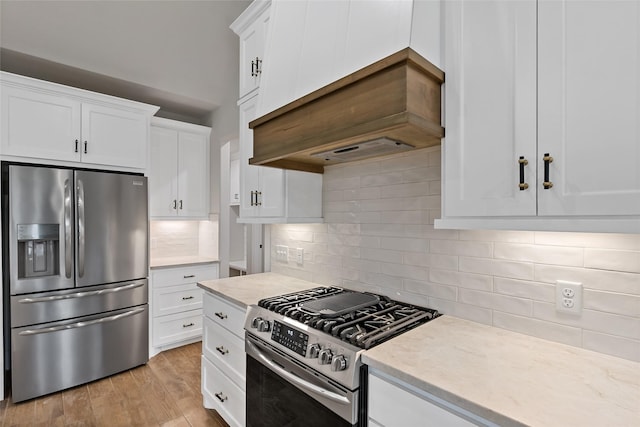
[{"x": 75, "y": 258}]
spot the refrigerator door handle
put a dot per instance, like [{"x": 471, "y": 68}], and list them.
[
  {"x": 130, "y": 286},
  {"x": 82, "y": 324},
  {"x": 67, "y": 229},
  {"x": 80, "y": 202}
]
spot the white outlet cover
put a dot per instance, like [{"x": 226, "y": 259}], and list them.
[
  {"x": 300, "y": 256},
  {"x": 569, "y": 297}
]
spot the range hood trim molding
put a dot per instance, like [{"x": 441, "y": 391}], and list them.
[{"x": 286, "y": 138}]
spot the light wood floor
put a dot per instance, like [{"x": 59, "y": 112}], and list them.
[{"x": 165, "y": 392}]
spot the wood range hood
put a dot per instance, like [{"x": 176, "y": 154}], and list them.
[{"x": 389, "y": 106}]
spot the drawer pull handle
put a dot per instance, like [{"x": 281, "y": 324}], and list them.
[
  {"x": 222, "y": 350},
  {"x": 188, "y": 325},
  {"x": 221, "y": 397},
  {"x": 523, "y": 162},
  {"x": 186, "y": 298},
  {"x": 221, "y": 315},
  {"x": 189, "y": 276}
]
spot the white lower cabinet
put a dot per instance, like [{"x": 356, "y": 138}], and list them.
[
  {"x": 394, "y": 403},
  {"x": 223, "y": 359},
  {"x": 176, "y": 304}
]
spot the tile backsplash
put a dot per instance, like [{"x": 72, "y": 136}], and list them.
[
  {"x": 183, "y": 238},
  {"x": 378, "y": 236}
]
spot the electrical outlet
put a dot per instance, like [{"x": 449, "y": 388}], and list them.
[
  {"x": 300, "y": 256},
  {"x": 568, "y": 297},
  {"x": 282, "y": 253}
]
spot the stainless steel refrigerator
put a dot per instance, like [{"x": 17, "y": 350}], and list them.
[{"x": 75, "y": 262}]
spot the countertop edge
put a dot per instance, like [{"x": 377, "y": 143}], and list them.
[
  {"x": 181, "y": 262},
  {"x": 224, "y": 296}
]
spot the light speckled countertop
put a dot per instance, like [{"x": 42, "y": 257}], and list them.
[
  {"x": 511, "y": 378},
  {"x": 502, "y": 376},
  {"x": 248, "y": 290},
  {"x": 180, "y": 261}
]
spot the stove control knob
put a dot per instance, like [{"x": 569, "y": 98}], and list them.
[
  {"x": 339, "y": 363},
  {"x": 314, "y": 351},
  {"x": 255, "y": 321},
  {"x": 325, "y": 356},
  {"x": 264, "y": 326}
]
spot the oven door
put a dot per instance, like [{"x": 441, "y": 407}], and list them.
[{"x": 281, "y": 392}]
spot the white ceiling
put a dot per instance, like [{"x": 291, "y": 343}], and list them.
[{"x": 178, "y": 54}]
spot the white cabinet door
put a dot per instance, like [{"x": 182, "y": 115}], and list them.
[
  {"x": 40, "y": 125},
  {"x": 249, "y": 175},
  {"x": 490, "y": 108},
  {"x": 262, "y": 188},
  {"x": 179, "y": 171},
  {"x": 193, "y": 175},
  {"x": 234, "y": 182},
  {"x": 163, "y": 182},
  {"x": 589, "y": 107},
  {"x": 252, "y": 45},
  {"x": 114, "y": 137}
]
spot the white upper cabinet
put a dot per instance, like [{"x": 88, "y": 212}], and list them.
[
  {"x": 179, "y": 172},
  {"x": 272, "y": 195},
  {"x": 490, "y": 108},
  {"x": 51, "y": 122},
  {"x": 589, "y": 106},
  {"x": 252, "y": 27},
  {"x": 525, "y": 79},
  {"x": 313, "y": 43},
  {"x": 266, "y": 194}
]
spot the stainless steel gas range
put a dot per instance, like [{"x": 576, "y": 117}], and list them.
[{"x": 303, "y": 354}]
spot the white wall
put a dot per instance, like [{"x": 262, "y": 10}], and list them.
[{"x": 379, "y": 237}]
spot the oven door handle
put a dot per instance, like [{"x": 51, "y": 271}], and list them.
[{"x": 297, "y": 380}]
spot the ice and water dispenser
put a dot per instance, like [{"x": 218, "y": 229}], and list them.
[{"x": 38, "y": 250}]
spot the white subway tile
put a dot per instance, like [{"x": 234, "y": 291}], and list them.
[
  {"x": 343, "y": 228},
  {"x": 350, "y": 274},
  {"x": 499, "y": 268},
  {"x": 507, "y": 304},
  {"x": 404, "y": 244},
  {"x": 554, "y": 255},
  {"x": 524, "y": 289},
  {"x": 611, "y": 302},
  {"x": 333, "y": 196},
  {"x": 340, "y": 183},
  {"x": 344, "y": 251},
  {"x": 538, "y": 328},
  {"x": 465, "y": 280},
  {"x": 454, "y": 247},
  {"x": 431, "y": 289},
  {"x": 382, "y": 280},
  {"x": 434, "y": 156},
  {"x": 385, "y": 255},
  {"x": 613, "y": 281},
  {"x": 369, "y": 242},
  {"x": 326, "y": 259},
  {"x": 344, "y": 239},
  {"x": 463, "y": 311},
  {"x": 382, "y": 229},
  {"x": 380, "y": 179},
  {"x": 443, "y": 262},
  {"x": 329, "y": 207},
  {"x": 610, "y": 259},
  {"x": 629, "y": 242},
  {"x": 404, "y": 190},
  {"x": 361, "y": 264},
  {"x": 404, "y": 161},
  {"x": 362, "y": 217},
  {"x": 435, "y": 188},
  {"x": 397, "y": 204},
  {"x": 362, "y": 193},
  {"x": 360, "y": 168},
  {"x": 401, "y": 217},
  {"x": 333, "y": 217},
  {"x": 320, "y": 237},
  {"x": 404, "y": 271},
  {"x": 609, "y": 344},
  {"x": 598, "y": 321},
  {"x": 497, "y": 236},
  {"x": 421, "y": 174}
]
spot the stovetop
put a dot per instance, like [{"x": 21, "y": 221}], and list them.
[
  {"x": 363, "y": 327},
  {"x": 327, "y": 328}
]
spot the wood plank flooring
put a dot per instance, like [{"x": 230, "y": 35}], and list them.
[{"x": 164, "y": 392}]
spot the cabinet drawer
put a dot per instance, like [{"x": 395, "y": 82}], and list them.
[
  {"x": 225, "y": 350},
  {"x": 183, "y": 275},
  {"x": 177, "y": 327},
  {"x": 221, "y": 394},
  {"x": 176, "y": 299},
  {"x": 225, "y": 314}
]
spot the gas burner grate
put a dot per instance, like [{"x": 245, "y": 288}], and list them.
[{"x": 364, "y": 327}]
